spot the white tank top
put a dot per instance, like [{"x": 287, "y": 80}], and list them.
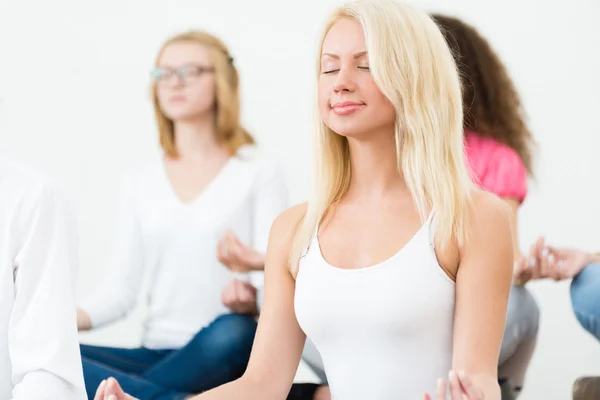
[{"x": 384, "y": 331}]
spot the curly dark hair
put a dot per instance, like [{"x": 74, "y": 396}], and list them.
[{"x": 492, "y": 106}]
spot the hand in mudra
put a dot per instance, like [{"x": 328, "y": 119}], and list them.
[
  {"x": 461, "y": 388},
  {"x": 240, "y": 297},
  {"x": 546, "y": 261},
  {"x": 111, "y": 390},
  {"x": 237, "y": 256},
  {"x": 561, "y": 263}
]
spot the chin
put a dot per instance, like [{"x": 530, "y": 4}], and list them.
[
  {"x": 180, "y": 115},
  {"x": 348, "y": 133},
  {"x": 352, "y": 130}
]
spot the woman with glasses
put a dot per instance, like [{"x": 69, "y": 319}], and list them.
[{"x": 211, "y": 190}]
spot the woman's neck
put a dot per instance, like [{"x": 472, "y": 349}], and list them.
[
  {"x": 374, "y": 167},
  {"x": 197, "y": 137}
]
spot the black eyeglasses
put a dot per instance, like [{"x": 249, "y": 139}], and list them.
[{"x": 184, "y": 73}]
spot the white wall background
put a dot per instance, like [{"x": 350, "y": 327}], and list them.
[{"x": 74, "y": 101}]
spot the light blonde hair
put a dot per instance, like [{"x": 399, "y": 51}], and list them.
[
  {"x": 227, "y": 98},
  {"x": 411, "y": 64}
]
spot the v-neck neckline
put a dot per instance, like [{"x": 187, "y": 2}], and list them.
[{"x": 202, "y": 193}]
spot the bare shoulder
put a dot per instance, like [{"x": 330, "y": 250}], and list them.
[
  {"x": 489, "y": 210},
  {"x": 489, "y": 221},
  {"x": 285, "y": 226}
]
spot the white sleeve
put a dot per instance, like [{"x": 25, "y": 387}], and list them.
[
  {"x": 270, "y": 200},
  {"x": 42, "y": 331},
  {"x": 117, "y": 294}
]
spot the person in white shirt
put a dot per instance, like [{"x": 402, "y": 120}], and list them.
[
  {"x": 211, "y": 198},
  {"x": 39, "y": 354},
  {"x": 398, "y": 268}
]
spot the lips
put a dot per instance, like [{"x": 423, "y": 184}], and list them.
[
  {"x": 347, "y": 107},
  {"x": 177, "y": 98}
]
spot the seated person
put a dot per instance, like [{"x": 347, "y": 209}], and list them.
[
  {"x": 398, "y": 267},
  {"x": 584, "y": 269},
  {"x": 498, "y": 147},
  {"x": 39, "y": 356},
  {"x": 211, "y": 179}
]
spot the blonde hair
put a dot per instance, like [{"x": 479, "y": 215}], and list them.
[
  {"x": 227, "y": 98},
  {"x": 411, "y": 64}
]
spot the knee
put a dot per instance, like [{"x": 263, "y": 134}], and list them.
[
  {"x": 585, "y": 288},
  {"x": 234, "y": 330},
  {"x": 87, "y": 351},
  {"x": 585, "y": 298},
  {"x": 523, "y": 311},
  {"x": 532, "y": 310}
]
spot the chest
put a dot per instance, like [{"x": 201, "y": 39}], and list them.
[
  {"x": 402, "y": 297},
  {"x": 357, "y": 238},
  {"x": 225, "y": 204},
  {"x": 189, "y": 180}
]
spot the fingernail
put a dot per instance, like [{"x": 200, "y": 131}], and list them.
[
  {"x": 551, "y": 258},
  {"x": 103, "y": 383},
  {"x": 532, "y": 261},
  {"x": 560, "y": 262},
  {"x": 462, "y": 374},
  {"x": 451, "y": 375},
  {"x": 545, "y": 251},
  {"x": 440, "y": 382}
]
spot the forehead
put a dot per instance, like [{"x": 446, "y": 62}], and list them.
[
  {"x": 185, "y": 52},
  {"x": 345, "y": 37}
]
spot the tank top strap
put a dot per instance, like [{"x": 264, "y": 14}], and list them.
[
  {"x": 313, "y": 241},
  {"x": 431, "y": 226}
]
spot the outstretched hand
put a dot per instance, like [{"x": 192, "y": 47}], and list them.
[
  {"x": 461, "y": 388},
  {"x": 111, "y": 390}
]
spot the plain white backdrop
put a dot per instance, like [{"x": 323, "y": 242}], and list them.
[{"x": 74, "y": 102}]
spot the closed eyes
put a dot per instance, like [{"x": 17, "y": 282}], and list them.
[{"x": 331, "y": 71}]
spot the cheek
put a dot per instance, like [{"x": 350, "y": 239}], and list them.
[
  {"x": 162, "y": 93},
  {"x": 323, "y": 91},
  {"x": 202, "y": 96},
  {"x": 170, "y": 110},
  {"x": 386, "y": 113}
]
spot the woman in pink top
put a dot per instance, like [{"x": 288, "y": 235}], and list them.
[{"x": 498, "y": 147}]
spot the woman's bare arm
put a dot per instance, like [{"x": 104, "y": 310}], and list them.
[
  {"x": 482, "y": 287},
  {"x": 279, "y": 340}
]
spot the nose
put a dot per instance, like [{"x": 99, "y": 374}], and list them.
[
  {"x": 344, "y": 81},
  {"x": 175, "y": 80}
]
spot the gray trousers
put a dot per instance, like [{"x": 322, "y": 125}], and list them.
[{"x": 520, "y": 333}]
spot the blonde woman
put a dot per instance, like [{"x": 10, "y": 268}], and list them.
[
  {"x": 211, "y": 183},
  {"x": 398, "y": 268}
]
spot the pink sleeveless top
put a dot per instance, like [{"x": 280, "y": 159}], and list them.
[{"x": 495, "y": 167}]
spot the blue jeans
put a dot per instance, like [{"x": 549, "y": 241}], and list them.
[
  {"x": 585, "y": 297},
  {"x": 218, "y": 354}
]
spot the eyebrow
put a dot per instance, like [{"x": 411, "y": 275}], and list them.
[{"x": 357, "y": 55}]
